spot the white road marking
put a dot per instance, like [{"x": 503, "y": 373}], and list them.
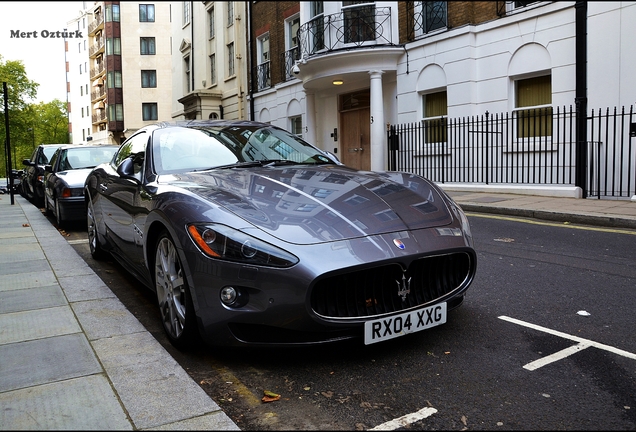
[
  {"x": 582, "y": 344},
  {"x": 406, "y": 419}
]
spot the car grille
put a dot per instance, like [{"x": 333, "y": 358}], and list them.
[{"x": 382, "y": 290}]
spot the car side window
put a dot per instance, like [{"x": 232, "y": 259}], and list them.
[
  {"x": 133, "y": 146},
  {"x": 54, "y": 158}
]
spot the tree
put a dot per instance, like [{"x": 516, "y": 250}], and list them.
[{"x": 30, "y": 124}]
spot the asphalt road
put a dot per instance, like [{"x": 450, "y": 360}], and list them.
[{"x": 544, "y": 341}]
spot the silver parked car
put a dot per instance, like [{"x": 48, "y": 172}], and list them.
[
  {"x": 251, "y": 236},
  {"x": 64, "y": 179}
]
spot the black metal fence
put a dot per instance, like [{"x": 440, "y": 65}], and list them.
[{"x": 536, "y": 146}]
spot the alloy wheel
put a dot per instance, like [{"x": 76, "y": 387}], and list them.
[{"x": 171, "y": 289}]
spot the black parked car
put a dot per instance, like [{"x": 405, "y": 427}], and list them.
[
  {"x": 12, "y": 183},
  {"x": 64, "y": 179},
  {"x": 33, "y": 178},
  {"x": 251, "y": 236}
]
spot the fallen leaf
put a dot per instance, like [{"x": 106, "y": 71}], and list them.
[
  {"x": 327, "y": 394},
  {"x": 464, "y": 420},
  {"x": 26, "y": 225},
  {"x": 270, "y": 396},
  {"x": 446, "y": 352}
]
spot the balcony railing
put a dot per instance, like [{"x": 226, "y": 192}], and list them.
[
  {"x": 263, "y": 76},
  {"x": 99, "y": 116},
  {"x": 98, "y": 93},
  {"x": 97, "y": 70},
  {"x": 99, "y": 20},
  {"x": 289, "y": 59},
  {"x": 425, "y": 17},
  {"x": 363, "y": 26},
  {"x": 96, "y": 47}
]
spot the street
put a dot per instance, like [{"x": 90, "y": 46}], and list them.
[{"x": 544, "y": 340}]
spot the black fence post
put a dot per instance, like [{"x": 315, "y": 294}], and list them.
[{"x": 7, "y": 140}]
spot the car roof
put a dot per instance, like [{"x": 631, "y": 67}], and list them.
[
  {"x": 67, "y": 146},
  {"x": 226, "y": 123}
]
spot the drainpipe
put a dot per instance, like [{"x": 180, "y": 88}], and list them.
[
  {"x": 250, "y": 31},
  {"x": 192, "y": 44},
  {"x": 581, "y": 95}
]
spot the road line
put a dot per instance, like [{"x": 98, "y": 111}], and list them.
[
  {"x": 556, "y": 356},
  {"x": 560, "y": 225},
  {"x": 582, "y": 343},
  {"x": 406, "y": 420}
]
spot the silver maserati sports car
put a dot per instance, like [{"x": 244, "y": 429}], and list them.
[{"x": 251, "y": 236}]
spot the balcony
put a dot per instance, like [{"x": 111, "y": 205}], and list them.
[
  {"x": 96, "y": 24},
  {"x": 97, "y": 71},
  {"x": 263, "y": 76},
  {"x": 289, "y": 59},
  {"x": 99, "y": 116},
  {"x": 96, "y": 48},
  {"x": 98, "y": 93},
  {"x": 365, "y": 26}
]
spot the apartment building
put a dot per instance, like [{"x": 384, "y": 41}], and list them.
[
  {"x": 338, "y": 73},
  {"x": 128, "y": 67},
  {"x": 209, "y": 46},
  {"x": 78, "y": 83}
]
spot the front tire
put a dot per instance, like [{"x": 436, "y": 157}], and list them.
[
  {"x": 93, "y": 239},
  {"x": 173, "y": 294}
]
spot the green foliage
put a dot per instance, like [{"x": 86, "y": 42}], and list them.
[{"x": 30, "y": 123}]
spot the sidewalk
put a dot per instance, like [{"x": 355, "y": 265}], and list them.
[{"x": 73, "y": 357}]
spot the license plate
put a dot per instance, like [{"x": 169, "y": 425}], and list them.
[{"x": 409, "y": 322}]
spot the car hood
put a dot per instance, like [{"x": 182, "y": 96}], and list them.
[
  {"x": 306, "y": 205},
  {"x": 74, "y": 178}
]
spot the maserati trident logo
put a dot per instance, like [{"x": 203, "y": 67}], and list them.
[
  {"x": 404, "y": 287},
  {"x": 398, "y": 243}
]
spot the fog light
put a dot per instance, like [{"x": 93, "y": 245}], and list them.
[{"x": 228, "y": 295}]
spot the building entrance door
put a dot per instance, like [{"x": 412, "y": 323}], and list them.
[{"x": 355, "y": 130}]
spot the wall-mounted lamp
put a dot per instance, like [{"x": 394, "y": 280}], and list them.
[{"x": 338, "y": 82}]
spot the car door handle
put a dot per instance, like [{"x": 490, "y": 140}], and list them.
[{"x": 102, "y": 187}]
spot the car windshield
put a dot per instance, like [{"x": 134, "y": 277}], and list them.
[
  {"x": 204, "y": 147},
  {"x": 88, "y": 157}
]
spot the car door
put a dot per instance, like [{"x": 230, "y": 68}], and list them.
[{"x": 122, "y": 213}]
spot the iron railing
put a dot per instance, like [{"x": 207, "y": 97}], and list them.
[
  {"x": 289, "y": 58},
  {"x": 536, "y": 146},
  {"x": 425, "y": 17},
  {"x": 263, "y": 76},
  {"x": 365, "y": 25}
]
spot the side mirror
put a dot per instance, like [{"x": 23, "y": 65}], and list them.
[
  {"x": 26, "y": 162},
  {"x": 48, "y": 168},
  {"x": 126, "y": 169}
]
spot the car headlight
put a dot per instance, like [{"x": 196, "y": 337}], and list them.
[{"x": 223, "y": 242}]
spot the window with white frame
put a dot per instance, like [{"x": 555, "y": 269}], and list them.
[
  {"x": 296, "y": 125},
  {"x": 230, "y": 59},
  {"x": 186, "y": 73},
  {"x": 434, "y": 109},
  {"x": 263, "y": 48},
  {"x": 533, "y": 106},
  {"x": 316, "y": 26},
  {"x": 230, "y": 14},
  {"x": 263, "y": 68},
  {"x": 212, "y": 69},
  {"x": 292, "y": 53},
  {"x": 211, "y": 22},
  {"x": 359, "y": 21},
  {"x": 186, "y": 13}
]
